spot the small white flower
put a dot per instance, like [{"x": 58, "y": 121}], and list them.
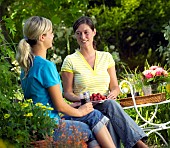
[{"x": 125, "y": 90}]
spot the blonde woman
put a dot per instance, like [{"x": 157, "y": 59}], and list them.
[{"x": 41, "y": 82}]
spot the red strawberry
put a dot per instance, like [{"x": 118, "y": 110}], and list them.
[
  {"x": 94, "y": 95},
  {"x": 98, "y": 94},
  {"x": 99, "y": 99},
  {"x": 103, "y": 97},
  {"x": 95, "y": 98}
]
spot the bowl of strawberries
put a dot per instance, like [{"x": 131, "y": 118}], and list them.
[{"x": 97, "y": 98}]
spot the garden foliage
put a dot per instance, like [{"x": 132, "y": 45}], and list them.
[{"x": 129, "y": 29}]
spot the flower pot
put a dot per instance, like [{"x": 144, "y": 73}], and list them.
[
  {"x": 40, "y": 144},
  {"x": 48, "y": 143},
  {"x": 70, "y": 144},
  {"x": 43, "y": 143}
]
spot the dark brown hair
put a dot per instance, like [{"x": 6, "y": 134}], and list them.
[{"x": 84, "y": 20}]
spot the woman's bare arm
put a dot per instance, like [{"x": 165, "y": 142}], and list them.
[
  {"x": 62, "y": 106},
  {"x": 67, "y": 79},
  {"x": 114, "y": 86}
]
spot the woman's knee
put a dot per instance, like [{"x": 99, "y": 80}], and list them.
[
  {"x": 111, "y": 105},
  {"x": 96, "y": 113}
]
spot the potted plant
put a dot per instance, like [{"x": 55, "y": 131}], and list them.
[
  {"x": 153, "y": 77},
  {"x": 23, "y": 122},
  {"x": 134, "y": 78}
]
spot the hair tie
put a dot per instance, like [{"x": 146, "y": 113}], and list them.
[{"x": 30, "y": 41}]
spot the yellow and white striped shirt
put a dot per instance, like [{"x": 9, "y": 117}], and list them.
[{"x": 85, "y": 78}]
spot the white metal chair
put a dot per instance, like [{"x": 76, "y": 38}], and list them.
[{"x": 149, "y": 127}]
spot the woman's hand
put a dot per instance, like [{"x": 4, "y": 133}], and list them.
[
  {"x": 86, "y": 108},
  {"x": 112, "y": 95},
  {"x": 113, "y": 87}
]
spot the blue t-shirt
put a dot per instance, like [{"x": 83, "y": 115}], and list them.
[{"x": 42, "y": 75}]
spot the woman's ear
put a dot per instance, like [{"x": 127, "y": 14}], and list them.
[
  {"x": 94, "y": 31},
  {"x": 41, "y": 37}
]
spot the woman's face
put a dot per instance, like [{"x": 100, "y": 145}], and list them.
[{"x": 84, "y": 35}]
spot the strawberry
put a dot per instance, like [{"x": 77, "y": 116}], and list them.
[
  {"x": 103, "y": 97},
  {"x": 95, "y": 98},
  {"x": 94, "y": 95},
  {"x": 98, "y": 94},
  {"x": 99, "y": 99}
]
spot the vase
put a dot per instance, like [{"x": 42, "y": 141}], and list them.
[
  {"x": 155, "y": 88},
  {"x": 147, "y": 90}
]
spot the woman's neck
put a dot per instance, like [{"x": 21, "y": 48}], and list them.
[
  {"x": 39, "y": 51},
  {"x": 87, "y": 52},
  {"x": 90, "y": 56}
]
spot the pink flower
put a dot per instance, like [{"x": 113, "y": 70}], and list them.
[
  {"x": 165, "y": 73},
  {"x": 155, "y": 74},
  {"x": 153, "y": 67},
  {"x": 148, "y": 74},
  {"x": 159, "y": 71}
]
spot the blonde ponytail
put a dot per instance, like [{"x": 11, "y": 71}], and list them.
[
  {"x": 32, "y": 29},
  {"x": 24, "y": 56}
]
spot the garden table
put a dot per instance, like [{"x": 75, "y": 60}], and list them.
[{"x": 149, "y": 126}]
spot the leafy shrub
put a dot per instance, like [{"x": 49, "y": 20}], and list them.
[
  {"x": 24, "y": 122},
  {"x": 165, "y": 51}
]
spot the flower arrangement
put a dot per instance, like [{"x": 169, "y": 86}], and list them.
[
  {"x": 24, "y": 122},
  {"x": 154, "y": 75}
]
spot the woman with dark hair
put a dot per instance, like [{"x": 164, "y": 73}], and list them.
[{"x": 90, "y": 70}]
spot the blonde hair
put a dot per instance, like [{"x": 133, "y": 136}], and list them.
[{"x": 33, "y": 28}]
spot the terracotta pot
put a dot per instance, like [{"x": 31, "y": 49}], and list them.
[
  {"x": 48, "y": 143},
  {"x": 43, "y": 143},
  {"x": 71, "y": 144}
]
